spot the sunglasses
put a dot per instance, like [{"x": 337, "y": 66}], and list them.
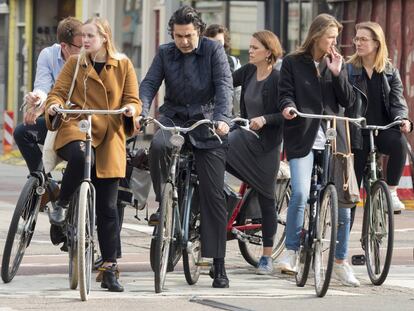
[{"x": 76, "y": 46}]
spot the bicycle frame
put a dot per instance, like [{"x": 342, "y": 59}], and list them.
[{"x": 372, "y": 175}]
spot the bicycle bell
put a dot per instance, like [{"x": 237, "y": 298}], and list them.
[
  {"x": 330, "y": 133},
  {"x": 177, "y": 140},
  {"x": 83, "y": 126}
]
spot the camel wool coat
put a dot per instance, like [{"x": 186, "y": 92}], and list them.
[{"x": 115, "y": 87}]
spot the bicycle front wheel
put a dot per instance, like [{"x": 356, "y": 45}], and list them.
[
  {"x": 379, "y": 233},
  {"x": 21, "y": 229},
  {"x": 71, "y": 234},
  {"x": 164, "y": 232},
  {"x": 324, "y": 249},
  {"x": 86, "y": 225},
  {"x": 192, "y": 253},
  {"x": 305, "y": 249}
]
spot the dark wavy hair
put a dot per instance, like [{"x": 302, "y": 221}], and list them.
[
  {"x": 214, "y": 29},
  {"x": 184, "y": 16}
]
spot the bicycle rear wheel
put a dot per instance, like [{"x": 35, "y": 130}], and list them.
[
  {"x": 71, "y": 235},
  {"x": 163, "y": 238},
  {"x": 324, "y": 246},
  {"x": 305, "y": 249},
  {"x": 379, "y": 234},
  {"x": 86, "y": 225},
  {"x": 192, "y": 253},
  {"x": 252, "y": 250},
  {"x": 21, "y": 229}
]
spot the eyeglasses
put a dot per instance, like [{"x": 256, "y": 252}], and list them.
[
  {"x": 361, "y": 39},
  {"x": 76, "y": 46}
]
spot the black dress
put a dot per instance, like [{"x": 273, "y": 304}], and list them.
[{"x": 246, "y": 155}]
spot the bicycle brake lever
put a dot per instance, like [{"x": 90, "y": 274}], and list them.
[{"x": 216, "y": 135}]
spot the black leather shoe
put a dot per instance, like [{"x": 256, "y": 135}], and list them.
[
  {"x": 57, "y": 215},
  {"x": 220, "y": 277},
  {"x": 154, "y": 219},
  {"x": 109, "y": 279},
  {"x": 56, "y": 234}
]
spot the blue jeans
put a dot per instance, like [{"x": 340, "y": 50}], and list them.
[
  {"x": 344, "y": 223},
  {"x": 300, "y": 178}
]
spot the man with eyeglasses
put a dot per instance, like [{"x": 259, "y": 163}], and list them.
[
  {"x": 198, "y": 85},
  {"x": 32, "y": 131}
]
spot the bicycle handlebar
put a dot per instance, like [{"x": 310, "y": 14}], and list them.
[
  {"x": 90, "y": 111},
  {"x": 361, "y": 122},
  {"x": 179, "y": 129},
  {"x": 382, "y": 127},
  {"x": 245, "y": 125}
]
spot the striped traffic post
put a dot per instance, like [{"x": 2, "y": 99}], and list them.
[{"x": 8, "y": 131}]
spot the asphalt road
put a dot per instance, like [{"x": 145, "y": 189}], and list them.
[{"x": 42, "y": 281}]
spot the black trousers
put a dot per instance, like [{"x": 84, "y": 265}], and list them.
[
  {"x": 390, "y": 142},
  {"x": 106, "y": 197},
  {"x": 27, "y": 138},
  {"x": 210, "y": 166}
]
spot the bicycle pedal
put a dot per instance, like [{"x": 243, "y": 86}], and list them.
[
  {"x": 203, "y": 264},
  {"x": 358, "y": 260}
]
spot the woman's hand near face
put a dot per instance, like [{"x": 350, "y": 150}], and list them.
[{"x": 334, "y": 62}]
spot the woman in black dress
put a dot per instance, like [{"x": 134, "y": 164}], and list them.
[{"x": 256, "y": 160}]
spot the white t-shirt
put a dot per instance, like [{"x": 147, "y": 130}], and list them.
[{"x": 320, "y": 140}]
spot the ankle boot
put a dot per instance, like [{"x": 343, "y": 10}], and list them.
[
  {"x": 109, "y": 279},
  {"x": 220, "y": 277}
]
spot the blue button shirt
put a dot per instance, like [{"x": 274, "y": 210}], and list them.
[{"x": 49, "y": 64}]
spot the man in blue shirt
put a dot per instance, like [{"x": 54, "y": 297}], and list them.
[
  {"x": 51, "y": 60},
  {"x": 198, "y": 85}
]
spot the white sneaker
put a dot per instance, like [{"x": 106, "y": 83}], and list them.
[
  {"x": 288, "y": 262},
  {"x": 397, "y": 205},
  {"x": 345, "y": 274}
]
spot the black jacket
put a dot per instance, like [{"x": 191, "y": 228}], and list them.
[
  {"x": 392, "y": 98},
  {"x": 300, "y": 87},
  {"x": 271, "y": 133}
]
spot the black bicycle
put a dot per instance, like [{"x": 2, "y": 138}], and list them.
[
  {"x": 23, "y": 223},
  {"x": 178, "y": 230},
  {"x": 377, "y": 238},
  {"x": 318, "y": 236}
]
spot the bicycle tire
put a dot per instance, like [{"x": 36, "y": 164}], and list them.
[
  {"x": 305, "y": 250},
  {"x": 325, "y": 244},
  {"x": 192, "y": 258},
  {"x": 71, "y": 234},
  {"x": 163, "y": 238},
  {"x": 24, "y": 217},
  {"x": 86, "y": 220},
  {"x": 378, "y": 232},
  {"x": 252, "y": 251}
]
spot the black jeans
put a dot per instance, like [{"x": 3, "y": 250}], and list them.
[
  {"x": 106, "y": 197},
  {"x": 210, "y": 166},
  {"x": 27, "y": 138}
]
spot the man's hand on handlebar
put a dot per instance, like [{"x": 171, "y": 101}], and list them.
[
  {"x": 288, "y": 113},
  {"x": 257, "y": 123},
  {"x": 222, "y": 128}
]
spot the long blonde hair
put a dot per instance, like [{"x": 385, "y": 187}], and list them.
[
  {"x": 317, "y": 29},
  {"x": 105, "y": 31},
  {"x": 381, "y": 58}
]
